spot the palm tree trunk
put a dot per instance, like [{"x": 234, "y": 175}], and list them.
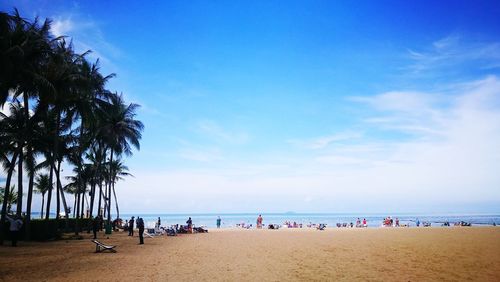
[
  {"x": 6, "y": 196},
  {"x": 100, "y": 198},
  {"x": 105, "y": 199},
  {"x": 58, "y": 199},
  {"x": 109, "y": 193},
  {"x": 28, "y": 202},
  {"x": 19, "y": 207},
  {"x": 92, "y": 197},
  {"x": 52, "y": 162},
  {"x": 87, "y": 206},
  {"x": 74, "y": 208},
  {"x": 59, "y": 184},
  {"x": 82, "y": 210},
  {"x": 116, "y": 202},
  {"x": 77, "y": 205},
  {"x": 29, "y": 164},
  {"x": 41, "y": 211},
  {"x": 49, "y": 193}
]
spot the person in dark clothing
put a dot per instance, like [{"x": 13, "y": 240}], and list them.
[
  {"x": 159, "y": 222},
  {"x": 101, "y": 222},
  {"x": 140, "y": 226},
  {"x": 131, "y": 227},
  {"x": 95, "y": 226},
  {"x": 15, "y": 226},
  {"x": 190, "y": 225}
]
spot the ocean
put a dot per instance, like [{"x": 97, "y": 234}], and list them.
[{"x": 331, "y": 219}]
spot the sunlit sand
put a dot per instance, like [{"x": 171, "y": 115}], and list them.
[{"x": 378, "y": 254}]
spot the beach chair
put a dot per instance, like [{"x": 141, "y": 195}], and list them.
[
  {"x": 100, "y": 247},
  {"x": 150, "y": 232}
]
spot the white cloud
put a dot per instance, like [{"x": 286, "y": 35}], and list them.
[{"x": 61, "y": 27}]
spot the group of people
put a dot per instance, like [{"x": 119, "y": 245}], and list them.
[
  {"x": 289, "y": 224},
  {"x": 139, "y": 223},
  {"x": 359, "y": 223},
  {"x": 389, "y": 222}
]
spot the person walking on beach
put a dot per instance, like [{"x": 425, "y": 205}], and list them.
[
  {"x": 259, "y": 222},
  {"x": 140, "y": 226},
  {"x": 159, "y": 222},
  {"x": 218, "y": 222},
  {"x": 15, "y": 226},
  {"x": 131, "y": 227}
]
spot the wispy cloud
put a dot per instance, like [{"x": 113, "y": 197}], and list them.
[
  {"x": 200, "y": 155},
  {"x": 407, "y": 111},
  {"x": 452, "y": 51},
  {"x": 325, "y": 141},
  {"x": 86, "y": 34},
  {"x": 215, "y": 131}
]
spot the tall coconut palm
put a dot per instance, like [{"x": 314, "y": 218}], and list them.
[
  {"x": 65, "y": 113},
  {"x": 62, "y": 72},
  {"x": 121, "y": 131},
  {"x": 24, "y": 46},
  {"x": 42, "y": 185},
  {"x": 12, "y": 129},
  {"x": 118, "y": 171}
]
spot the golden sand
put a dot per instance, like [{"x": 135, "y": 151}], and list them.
[{"x": 374, "y": 254}]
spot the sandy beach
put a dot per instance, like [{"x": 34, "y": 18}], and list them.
[{"x": 376, "y": 254}]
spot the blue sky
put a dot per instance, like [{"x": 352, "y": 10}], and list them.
[{"x": 314, "y": 106}]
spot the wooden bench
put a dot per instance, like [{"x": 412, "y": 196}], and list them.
[{"x": 100, "y": 247}]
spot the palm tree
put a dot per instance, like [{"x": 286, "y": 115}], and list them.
[
  {"x": 11, "y": 131},
  {"x": 11, "y": 198},
  {"x": 118, "y": 171},
  {"x": 24, "y": 47},
  {"x": 42, "y": 185},
  {"x": 120, "y": 130},
  {"x": 65, "y": 113}
]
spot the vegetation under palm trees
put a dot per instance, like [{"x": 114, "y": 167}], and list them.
[{"x": 59, "y": 111}]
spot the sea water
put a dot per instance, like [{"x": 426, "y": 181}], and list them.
[{"x": 331, "y": 219}]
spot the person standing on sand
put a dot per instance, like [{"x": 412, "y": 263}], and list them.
[
  {"x": 15, "y": 226},
  {"x": 101, "y": 222},
  {"x": 131, "y": 227},
  {"x": 140, "y": 226},
  {"x": 159, "y": 222},
  {"x": 189, "y": 223},
  {"x": 259, "y": 222},
  {"x": 218, "y": 222},
  {"x": 95, "y": 226}
]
